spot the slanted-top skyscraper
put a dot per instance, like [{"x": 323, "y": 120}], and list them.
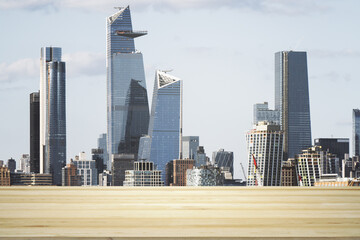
[
  {"x": 127, "y": 103},
  {"x": 163, "y": 142},
  {"x": 52, "y": 113},
  {"x": 292, "y": 100}
]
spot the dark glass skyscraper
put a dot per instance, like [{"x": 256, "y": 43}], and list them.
[
  {"x": 52, "y": 113},
  {"x": 292, "y": 100},
  {"x": 224, "y": 159},
  {"x": 165, "y": 127},
  {"x": 356, "y": 132},
  {"x": 34, "y": 132},
  {"x": 127, "y": 103},
  {"x": 338, "y": 146}
]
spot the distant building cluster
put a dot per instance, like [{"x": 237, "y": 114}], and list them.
[
  {"x": 146, "y": 147},
  {"x": 279, "y": 148}
]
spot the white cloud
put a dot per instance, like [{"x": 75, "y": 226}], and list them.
[
  {"x": 334, "y": 53},
  {"x": 288, "y": 7},
  {"x": 77, "y": 64},
  {"x": 20, "y": 69},
  {"x": 27, "y": 4},
  {"x": 84, "y": 63}
]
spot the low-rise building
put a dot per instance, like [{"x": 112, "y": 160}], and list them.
[
  {"x": 176, "y": 171},
  {"x": 33, "y": 179},
  {"x": 332, "y": 180},
  {"x": 144, "y": 174},
  {"x": 105, "y": 178},
  {"x": 288, "y": 173},
  {"x": 120, "y": 164},
  {"x": 204, "y": 176},
  {"x": 4, "y": 176},
  {"x": 87, "y": 170},
  {"x": 70, "y": 176}
]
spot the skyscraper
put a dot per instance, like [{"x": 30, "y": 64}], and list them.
[
  {"x": 102, "y": 144},
  {"x": 356, "y": 132},
  {"x": 24, "y": 165},
  {"x": 338, "y": 146},
  {"x": 265, "y": 144},
  {"x": 292, "y": 100},
  {"x": 165, "y": 127},
  {"x": 263, "y": 113},
  {"x": 34, "y": 132},
  {"x": 190, "y": 145},
  {"x": 309, "y": 165},
  {"x": 11, "y": 164},
  {"x": 224, "y": 160},
  {"x": 127, "y": 103},
  {"x": 52, "y": 113}
]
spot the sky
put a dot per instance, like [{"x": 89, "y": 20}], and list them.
[{"x": 222, "y": 49}]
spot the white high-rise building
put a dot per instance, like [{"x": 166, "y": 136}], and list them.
[
  {"x": 25, "y": 163},
  {"x": 265, "y": 144},
  {"x": 309, "y": 165}
]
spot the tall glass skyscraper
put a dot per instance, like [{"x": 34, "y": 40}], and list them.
[
  {"x": 356, "y": 132},
  {"x": 127, "y": 102},
  {"x": 165, "y": 127},
  {"x": 52, "y": 113},
  {"x": 292, "y": 100}
]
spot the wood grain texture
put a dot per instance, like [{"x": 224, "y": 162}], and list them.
[{"x": 171, "y": 212}]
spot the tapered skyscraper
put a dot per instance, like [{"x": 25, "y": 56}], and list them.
[
  {"x": 292, "y": 100},
  {"x": 52, "y": 113},
  {"x": 127, "y": 103},
  {"x": 164, "y": 143}
]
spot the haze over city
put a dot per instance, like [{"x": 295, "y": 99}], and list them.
[{"x": 223, "y": 51}]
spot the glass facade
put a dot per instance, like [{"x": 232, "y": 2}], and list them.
[
  {"x": 224, "y": 160},
  {"x": 165, "y": 125},
  {"x": 127, "y": 102},
  {"x": 292, "y": 100},
  {"x": 263, "y": 113},
  {"x": 338, "y": 146},
  {"x": 356, "y": 132},
  {"x": 102, "y": 144},
  {"x": 35, "y": 132},
  {"x": 52, "y": 113},
  {"x": 190, "y": 145}
]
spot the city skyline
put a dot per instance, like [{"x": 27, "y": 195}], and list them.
[{"x": 331, "y": 63}]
